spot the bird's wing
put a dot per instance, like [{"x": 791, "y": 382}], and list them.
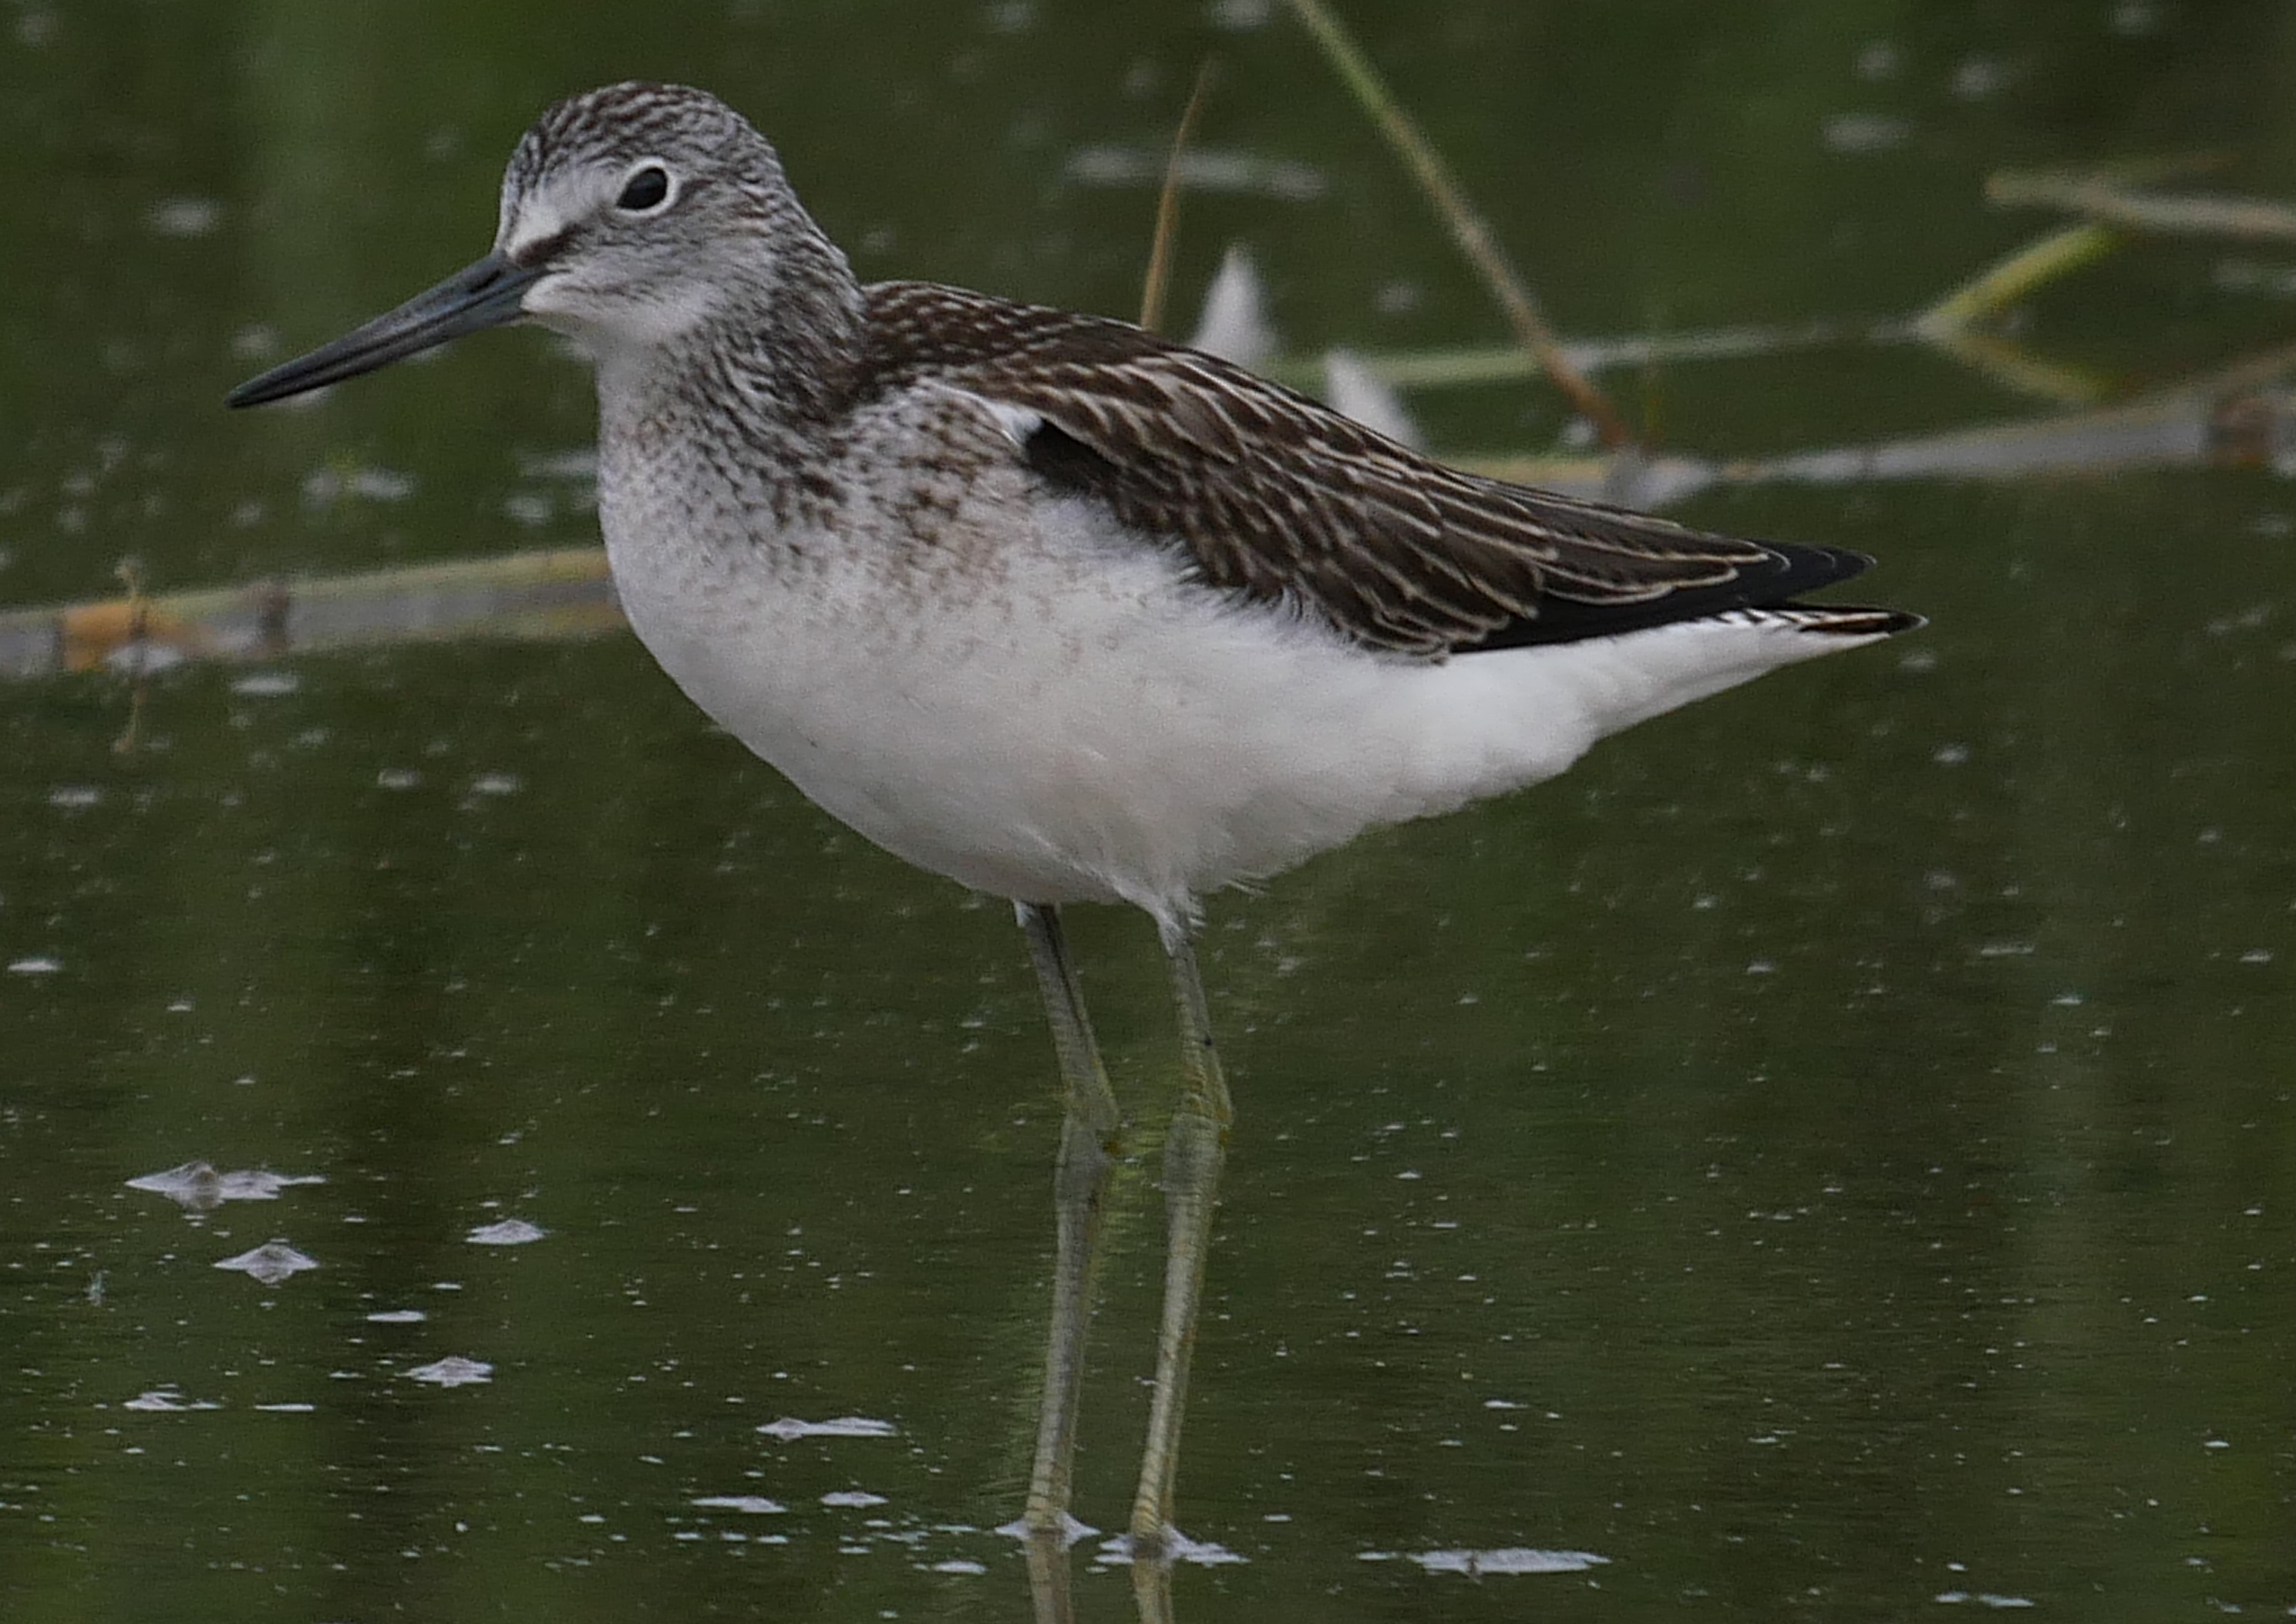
[{"x": 1278, "y": 498}]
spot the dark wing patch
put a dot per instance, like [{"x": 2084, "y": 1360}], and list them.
[{"x": 1278, "y": 498}]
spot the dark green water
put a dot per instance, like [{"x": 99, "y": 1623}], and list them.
[{"x": 1830, "y": 1156}]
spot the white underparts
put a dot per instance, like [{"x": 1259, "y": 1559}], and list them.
[{"x": 1060, "y": 715}]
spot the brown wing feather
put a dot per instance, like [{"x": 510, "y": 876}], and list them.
[{"x": 1277, "y": 497}]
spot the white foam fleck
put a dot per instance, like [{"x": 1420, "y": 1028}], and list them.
[
  {"x": 196, "y": 1185},
  {"x": 452, "y": 1371},
  {"x": 789, "y": 1428},
  {"x": 1507, "y": 1559},
  {"x": 1177, "y": 1547},
  {"x": 183, "y": 217},
  {"x": 167, "y": 1401},
  {"x": 270, "y": 1263},
  {"x": 509, "y": 1232}
]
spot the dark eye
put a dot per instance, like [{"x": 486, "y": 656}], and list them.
[{"x": 645, "y": 190}]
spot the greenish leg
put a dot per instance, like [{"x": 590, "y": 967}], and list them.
[
  {"x": 1193, "y": 1150},
  {"x": 1088, "y": 1132}
]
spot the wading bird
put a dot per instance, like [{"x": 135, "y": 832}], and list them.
[{"x": 1058, "y": 609}]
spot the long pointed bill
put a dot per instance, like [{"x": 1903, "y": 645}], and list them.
[{"x": 482, "y": 295}]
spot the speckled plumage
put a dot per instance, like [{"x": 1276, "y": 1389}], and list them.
[{"x": 1045, "y": 602}]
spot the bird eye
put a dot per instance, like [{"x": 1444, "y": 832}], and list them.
[{"x": 645, "y": 190}]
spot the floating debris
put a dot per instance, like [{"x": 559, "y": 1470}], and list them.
[
  {"x": 1983, "y": 1598},
  {"x": 1510, "y": 1559},
  {"x": 857, "y": 1499},
  {"x": 510, "y": 1232},
  {"x": 958, "y": 1564},
  {"x": 271, "y": 1262},
  {"x": 34, "y": 966},
  {"x": 755, "y": 1504},
  {"x": 789, "y": 1428},
  {"x": 397, "y": 1317},
  {"x": 167, "y": 1401},
  {"x": 452, "y": 1371},
  {"x": 197, "y": 1185}
]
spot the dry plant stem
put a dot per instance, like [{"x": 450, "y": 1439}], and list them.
[
  {"x": 2017, "y": 369},
  {"x": 1158, "y": 280},
  {"x": 1467, "y": 227},
  {"x": 2111, "y": 201},
  {"x": 549, "y": 596},
  {"x": 2002, "y": 284},
  {"x": 137, "y": 648}
]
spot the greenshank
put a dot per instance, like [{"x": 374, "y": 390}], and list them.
[{"x": 1058, "y": 609}]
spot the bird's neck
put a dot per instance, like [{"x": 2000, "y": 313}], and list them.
[
  {"x": 775, "y": 363},
  {"x": 722, "y": 430}
]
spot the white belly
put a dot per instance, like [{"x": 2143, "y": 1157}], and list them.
[{"x": 1060, "y": 717}]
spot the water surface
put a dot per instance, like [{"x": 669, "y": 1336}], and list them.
[{"x": 1832, "y": 1152}]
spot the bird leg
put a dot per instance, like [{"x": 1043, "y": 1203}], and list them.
[
  {"x": 1195, "y": 1147},
  {"x": 1088, "y": 1132}
]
